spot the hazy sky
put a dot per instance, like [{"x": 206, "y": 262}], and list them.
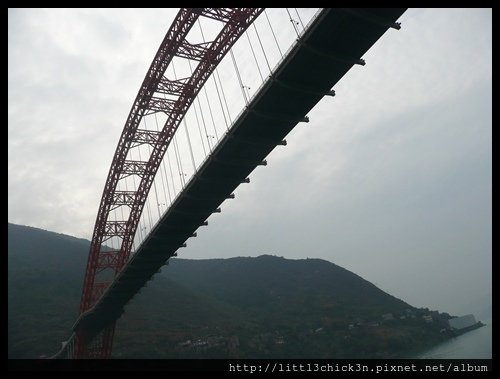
[{"x": 391, "y": 179}]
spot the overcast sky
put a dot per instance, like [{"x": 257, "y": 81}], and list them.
[{"x": 391, "y": 179}]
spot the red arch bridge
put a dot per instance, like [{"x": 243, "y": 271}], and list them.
[{"x": 196, "y": 130}]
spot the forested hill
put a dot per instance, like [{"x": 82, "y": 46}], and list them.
[{"x": 245, "y": 307}]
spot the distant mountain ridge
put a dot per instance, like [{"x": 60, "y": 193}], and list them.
[{"x": 266, "y": 306}]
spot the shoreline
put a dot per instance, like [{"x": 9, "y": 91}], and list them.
[{"x": 452, "y": 334}]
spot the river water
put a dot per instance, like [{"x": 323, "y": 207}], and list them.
[{"x": 476, "y": 344}]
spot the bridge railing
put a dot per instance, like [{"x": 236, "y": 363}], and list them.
[
  {"x": 212, "y": 114},
  {"x": 141, "y": 238}
]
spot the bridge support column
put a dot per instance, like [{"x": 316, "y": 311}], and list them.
[{"x": 94, "y": 347}]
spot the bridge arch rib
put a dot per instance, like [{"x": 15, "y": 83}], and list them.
[{"x": 151, "y": 99}]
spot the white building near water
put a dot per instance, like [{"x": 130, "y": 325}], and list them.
[{"x": 462, "y": 322}]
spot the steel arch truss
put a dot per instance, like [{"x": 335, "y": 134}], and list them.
[{"x": 150, "y": 99}]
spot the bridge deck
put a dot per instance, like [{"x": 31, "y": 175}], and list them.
[{"x": 325, "y": 53}]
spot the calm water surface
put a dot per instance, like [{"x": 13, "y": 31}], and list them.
[{"x": 476, "y": 344}]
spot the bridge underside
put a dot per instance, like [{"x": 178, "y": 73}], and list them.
[{"x": 330, "y": 47}]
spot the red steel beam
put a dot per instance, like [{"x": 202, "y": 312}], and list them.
[{"x": 208, "y": 55}]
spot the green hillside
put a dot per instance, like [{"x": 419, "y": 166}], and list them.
[{"x": 239, "y": 307}]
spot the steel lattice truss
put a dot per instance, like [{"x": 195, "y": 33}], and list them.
[{"x": 150, "y": 100}]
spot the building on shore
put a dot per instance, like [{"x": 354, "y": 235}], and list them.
[{"x": 458, "y": 323}]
